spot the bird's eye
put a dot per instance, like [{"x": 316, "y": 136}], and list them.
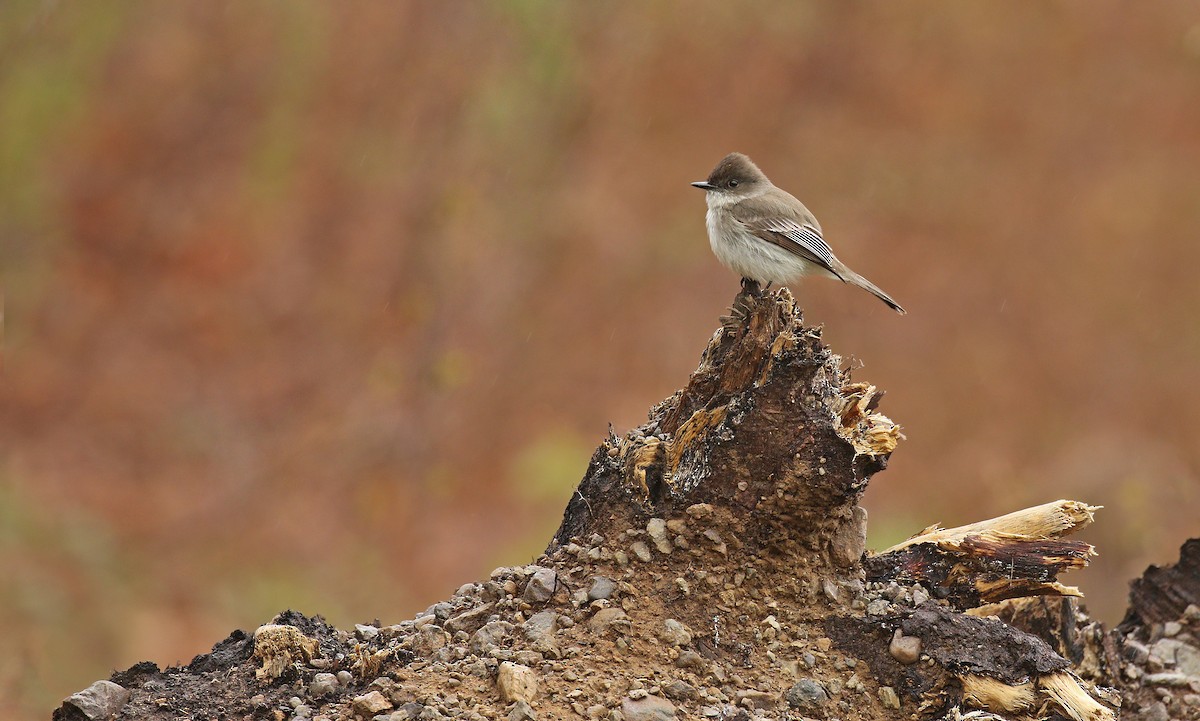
[{"x": 733, "y": 183}]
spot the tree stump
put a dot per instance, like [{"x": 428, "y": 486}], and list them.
[{"x": 711, "y": 564}]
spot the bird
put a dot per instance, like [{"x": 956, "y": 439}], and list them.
[{"x": 765, "y": 234}]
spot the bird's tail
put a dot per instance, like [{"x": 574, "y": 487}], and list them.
[{"x": 849, "y": 276}]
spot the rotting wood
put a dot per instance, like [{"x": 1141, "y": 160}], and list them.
[
  {"x": 1016, "y": 555},
  {"x": 708, "y": 565}
]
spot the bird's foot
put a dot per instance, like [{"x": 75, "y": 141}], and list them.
[{"x": 751, "y": 288}]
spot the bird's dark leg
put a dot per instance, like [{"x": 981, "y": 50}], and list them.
[
  {"x": 750, "y": 287},
  {"x": 768, "y": 285}
]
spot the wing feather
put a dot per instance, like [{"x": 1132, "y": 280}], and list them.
[{"x": 801, "y": 236}]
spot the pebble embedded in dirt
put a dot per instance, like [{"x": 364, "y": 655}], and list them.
[
  {"x": 541, "y": 586},
  {"x": 888, "y": 697},
  {"x": 516, "y": 682},
  {"x": 602, "y": 588},
  {"x": 370, "y": 704},
  {"x": 491, "y": 635},
  {"x": 521, "y": 711},
  {"x": 539, "y": 630},
  {"x": 905, "y": 649},
  {"x": 102, "y": 700},
  {"x": 675, "y": 633},
  {"x": 607, "y": 619},
  {"x": 322, "y": 685},
  {"x": 656, "y": 529},
  {"x": 647, "y": 708},
  {"x": 691, "y": 660},
  {"x": 760, "y": 700},
  {"x": 807, "y": 695},
  {"x": 468, "y": 620}
]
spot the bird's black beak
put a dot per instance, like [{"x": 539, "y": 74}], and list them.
[{"x": 704, "y": 185}]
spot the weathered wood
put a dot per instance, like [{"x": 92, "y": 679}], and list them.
[
  {"x": 1163, "y": 593},
  {"x": 767, "y": 427},
  {"x": 709, "y": 564},
  {"x": 1016, "y": 555}
]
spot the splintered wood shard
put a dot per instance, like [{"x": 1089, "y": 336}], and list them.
[
  {"x": 1016, "y": 555},
  {"x": 1049, "y": 520}
]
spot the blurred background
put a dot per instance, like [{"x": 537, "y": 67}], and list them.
[{"x": 325, "y": 306}]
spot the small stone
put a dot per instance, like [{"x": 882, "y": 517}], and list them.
[
  {"x": 541, "y": 586},
  {"x": 1172, "y": 628},
  {"x": 364, "y": 632},
  {"x": 905, "y": 649},
  {"x": 919, "y": 596},
  {"x": 691, "y": 660},
  {"x": 638, "y": 693},
  {"x": 641, "y": 550},
  {"x": 607, "y": 619},
  {"x": 888, "y": 697},
  {"x": 681, "y": 691},
  {"x": 656, "y": 528},
  {"x": 1155, "y": 712},
  {"x": 489, "y": 637},
  {"x": 601, "y": 588},
  {"x": 677, "y": 526},
  {"x": 760, "y": 700},
  {"x": 807, "y": 694},
  {"x": 516, "y": 682},
  {"x": 521, "y": 711},
  {"x": 322, "y": 684},
  {"x": 370, "y": 704},
  {"x": 712, "y": 535},
  {"x": 428, "y": 640},
  {"x": 621, "y": 558},
  {"x": 878, "y": 607},
  {"x": 302, "y": 711},
  {"x": 849, "y": 541},
  {"x": 1168, "y": 679},
  {"x": 1172, "y": 652},
  {"x": 345, "y": 678},
  {"x": 1191, "y": 614},
  {"x": 649, "y": 708},
  {"x": 675, "y": 633},
  {"x": 539, "y": 629},
  {"x": 470, "y": 620},
  {"x": 831, "y": 590},
  {"x": 101, "y": 700},
  {"x": 440, "y": 610},
  {"x": 699, "y": 510}
]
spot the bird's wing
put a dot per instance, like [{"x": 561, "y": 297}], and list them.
[{"x": 794, "y": 235}]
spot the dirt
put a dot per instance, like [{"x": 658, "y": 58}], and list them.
[{"x": 746, "y": 635}]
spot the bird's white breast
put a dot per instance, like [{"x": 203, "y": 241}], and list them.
[{"x": 746, "y": 254}]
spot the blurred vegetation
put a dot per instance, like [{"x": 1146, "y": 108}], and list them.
[{"x": 325, "y": 305}]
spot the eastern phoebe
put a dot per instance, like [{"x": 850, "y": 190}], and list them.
[{"x": 765, "y": 234}]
